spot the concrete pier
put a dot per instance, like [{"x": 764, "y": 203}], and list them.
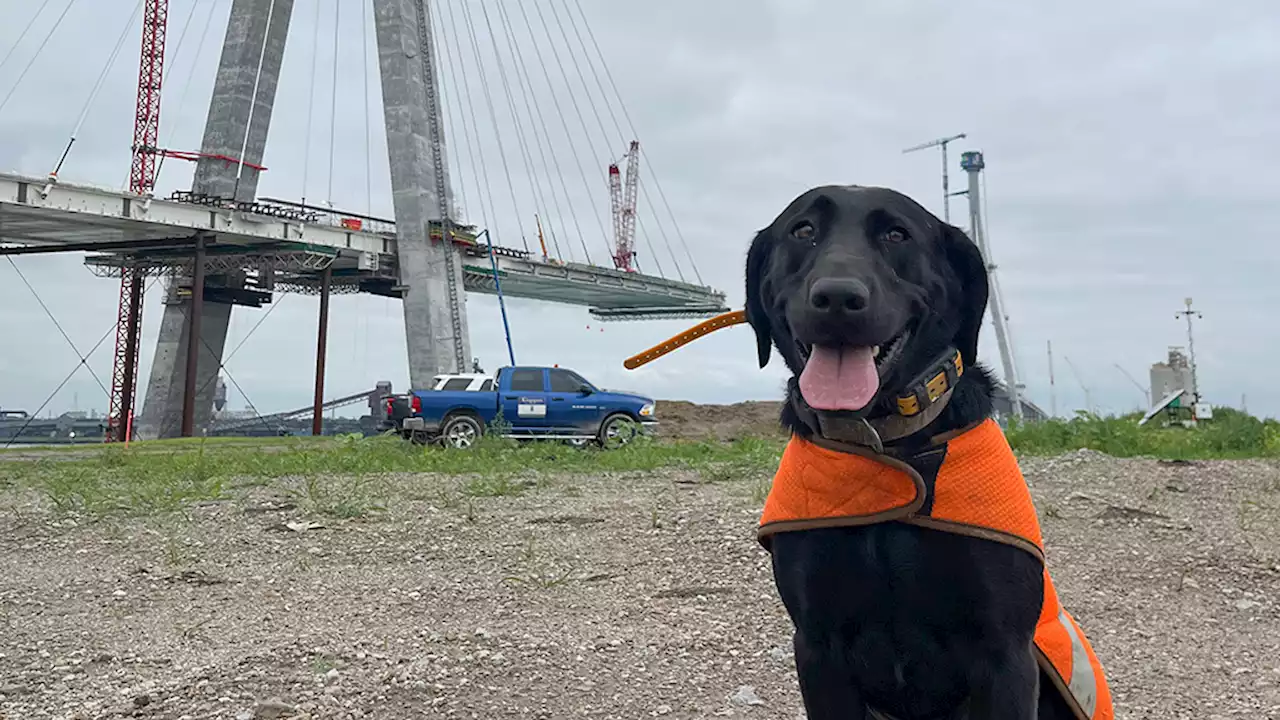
[
  {"x": 230, "y": 112},
  {"x": 407, "y": 59}
]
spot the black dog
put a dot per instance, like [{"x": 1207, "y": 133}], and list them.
[{"x": 860, "y": 289}]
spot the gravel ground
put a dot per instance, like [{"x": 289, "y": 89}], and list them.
[{"x": 625, "y": 596}]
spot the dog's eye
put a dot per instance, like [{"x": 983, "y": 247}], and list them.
[
  {"x": 803, "y": 231},
  {"x": 895, "y": 235}
]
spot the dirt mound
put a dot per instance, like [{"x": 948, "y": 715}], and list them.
[{"x": 680, "y": 420}]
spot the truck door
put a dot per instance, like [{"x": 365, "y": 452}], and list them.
[
  {"x": 570, "y": 409},
  {"x": 524, "y": 399}
]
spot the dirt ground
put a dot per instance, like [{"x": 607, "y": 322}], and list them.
[
  {"x": 687, "y": 421},
  {"x": 623, "y": 596}
]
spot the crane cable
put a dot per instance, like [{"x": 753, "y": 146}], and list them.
[
  {"x": 361, "y": 349},
  {"x": 368, "y": 126},
  {"x": 84, "y": 359}
]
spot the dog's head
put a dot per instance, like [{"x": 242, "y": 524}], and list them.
[{"x": 861, "y": 289}]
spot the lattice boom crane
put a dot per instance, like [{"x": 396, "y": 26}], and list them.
[
  {"x": 624, "y": 208},
  {"x": 142, "y": 178}
]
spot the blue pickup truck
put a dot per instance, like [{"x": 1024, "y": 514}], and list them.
[{"x": 534, "y": 402}]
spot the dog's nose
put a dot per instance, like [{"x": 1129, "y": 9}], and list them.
[{"x": 839, "y": 295}]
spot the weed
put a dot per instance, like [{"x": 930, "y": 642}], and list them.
[
  {"x": 321, "y": 664},
  {"x": 538, "y": 573},
  {"x": 760, "y": 489}
]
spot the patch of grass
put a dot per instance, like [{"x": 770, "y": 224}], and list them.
[
  {"x": 346, "y": 476},
  {"x": 538, "y": 571},
  {"x": 113, "y": 479},
  {"x": 342, "y": 496},
  {"x": 1231, "y": 434},
  {"x": 339, "y": 477}
]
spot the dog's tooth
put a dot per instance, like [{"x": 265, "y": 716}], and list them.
[{"x": 875, "y": 351}]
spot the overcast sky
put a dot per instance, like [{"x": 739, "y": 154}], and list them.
[{"x": 1131, "y": 149}]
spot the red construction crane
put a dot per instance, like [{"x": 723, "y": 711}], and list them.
[
  {"x": 142, "y": 178},
  {"x": 624, "y": 208}
]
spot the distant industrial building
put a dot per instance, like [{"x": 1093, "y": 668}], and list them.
[{"x": 1170, "y": 376}]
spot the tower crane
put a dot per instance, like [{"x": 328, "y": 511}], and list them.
[
  {"x": 624, "y": 208},
  {"x": 142, "y": 178}
]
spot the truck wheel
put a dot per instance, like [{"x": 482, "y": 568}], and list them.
[
  {"x": 461, "y": 431},
  {"x": 617, "y": 430}
]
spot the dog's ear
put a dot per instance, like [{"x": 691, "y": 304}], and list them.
[
  {"x": 757, "y": 316},
  {"x": 965, "y": 260}
]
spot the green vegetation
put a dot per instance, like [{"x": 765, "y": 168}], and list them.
[
  {"x": 351, "y": 476},
  {"x": 346, "y": 476},
  {"x": 1231, "y": 434}
]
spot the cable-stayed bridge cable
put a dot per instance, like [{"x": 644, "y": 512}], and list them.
[
  {"x": 23, "y": 35},
  {"x": 604, "y": 237},
  {"x": 525, "y": 155},
  {"x": 483, "y": 185},
  {"x": 531, "y": 100},
  {"x": 647, "y": 162},
  {"x": 30, "y": 63},
  {"x": 461, "y": 93},
  {"x": 493, "y": 116},
  {"x": 311, "y": 99},
  {"x": 97, "y": 87}
]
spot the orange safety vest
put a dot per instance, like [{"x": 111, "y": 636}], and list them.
[{"x": 978, "y": 490}]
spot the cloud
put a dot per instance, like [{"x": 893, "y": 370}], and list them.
[{"x": 1130, "y": 151}]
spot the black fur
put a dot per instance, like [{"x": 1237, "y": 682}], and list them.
[{"x": 916, "y": 623}]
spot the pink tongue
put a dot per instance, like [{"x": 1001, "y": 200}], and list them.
[{"x": 839, "y": 379}]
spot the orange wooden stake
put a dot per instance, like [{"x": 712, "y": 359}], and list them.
[{"x": 720, "y": 321}]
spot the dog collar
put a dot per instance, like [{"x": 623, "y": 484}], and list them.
[
  {"x": 930, "y": 386},
  {"x": 917, "y": 406}
]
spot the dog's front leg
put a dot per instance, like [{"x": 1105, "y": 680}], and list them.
[
  {"x": 826, "y": 687},
  {"x": 1008, "y": 690}
]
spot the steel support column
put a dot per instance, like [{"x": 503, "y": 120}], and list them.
[
  {"x": 194, "y": 311},
  {"x": 124, "y": 423},
  {"x": 322, "y": 342}
]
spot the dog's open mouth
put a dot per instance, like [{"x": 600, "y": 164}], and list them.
[{"x": 847, "y": 377}]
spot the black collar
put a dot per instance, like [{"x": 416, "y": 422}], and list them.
[{"x": 918, "y": 405}]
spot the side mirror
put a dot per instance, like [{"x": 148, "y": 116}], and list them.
[{"x": 585, "y": 389}]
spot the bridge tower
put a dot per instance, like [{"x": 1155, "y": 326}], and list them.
[{"x": 237, "y": 125}]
